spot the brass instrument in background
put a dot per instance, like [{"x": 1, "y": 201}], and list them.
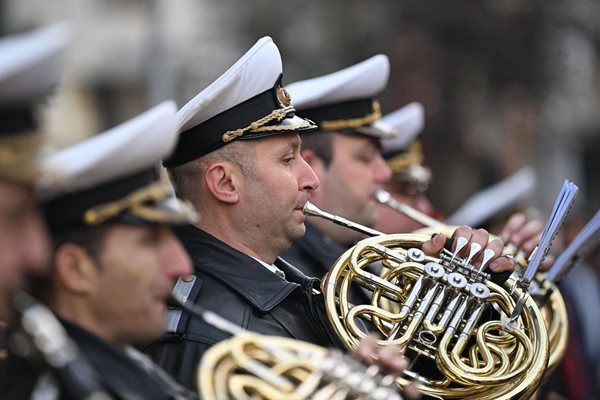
[
  {"x": 545, "y": 292},
  {"x": 40, "y": 337},
  {"x": 387, "y": 199},
  {"x": 253, "y": 366},
  {"x": 468, "y": 337}
]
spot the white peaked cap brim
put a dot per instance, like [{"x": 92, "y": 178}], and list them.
[
  {"x": 31, "y": 63},
  {"x": 488, "y": 202},
  {"x": 123, "y": 150},
  {"x": 407, "y": 122},
  {"x": 255, "y": 72},
  {"x": 361, "y": 81}
]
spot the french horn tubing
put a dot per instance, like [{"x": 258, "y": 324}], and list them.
[
  {"x": 467, "y": 337},
  {"x": 545, "y": 292},
  {"x": 253, "y": 366}
]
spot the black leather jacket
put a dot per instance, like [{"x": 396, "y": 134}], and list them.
[
  {"x": 240, "y": 289},
  {"x": 315, "y": 254},
  {"x": 118, "y": 374}
]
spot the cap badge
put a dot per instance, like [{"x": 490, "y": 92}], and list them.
[{"x": 283, "y": 96}]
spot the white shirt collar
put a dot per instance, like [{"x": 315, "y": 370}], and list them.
[{"x": 271, "y": 268}]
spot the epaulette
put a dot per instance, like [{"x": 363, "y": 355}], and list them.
[{"x": 186, "y": 289}]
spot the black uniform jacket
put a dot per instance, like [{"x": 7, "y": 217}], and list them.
[
  {"x": 240, "y": 289},
  {"x": 315, "y": 254},
  {"x": 119, "y": 375}
]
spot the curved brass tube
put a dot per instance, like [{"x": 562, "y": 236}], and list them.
[{"x": 438, "y": 323}]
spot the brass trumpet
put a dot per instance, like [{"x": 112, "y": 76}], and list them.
[{"x": 468, "y": 337}]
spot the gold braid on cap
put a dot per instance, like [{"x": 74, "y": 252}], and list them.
[
  {"x": 276, "y": 115},
  {"x": 402, "y": 161},
  {"x": 353, "y": 122},
  {"x": 18, "y": 156},
  {"x": 134, "y": 203}
]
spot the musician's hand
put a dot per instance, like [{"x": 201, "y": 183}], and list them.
[
  {"x": 524, "y": 236},
  {"x": 390, "y": 359},
  {"x": 496, "y": 263}
]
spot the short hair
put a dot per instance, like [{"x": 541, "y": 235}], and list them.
[
  {"x": 91, "y": 239},
  {"x": 321, "y": 143},
  {"x": 185, "y": 177}
]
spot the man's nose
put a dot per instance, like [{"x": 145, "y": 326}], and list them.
[
  {"x": 308, "y": 178},
  {"x": 382, "y": 172}
]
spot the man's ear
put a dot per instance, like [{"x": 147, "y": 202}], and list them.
[
  {"x": 75, "y": 269},
  {"x": 223, "y": 181}
]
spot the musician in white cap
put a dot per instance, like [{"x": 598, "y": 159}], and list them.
[
  {"x": 30, "y": 66},
  {"x": 238, "y": 161},
  {"x": 410, "y": 177},
  {"x": 345, "y": 153},
  {"x": 115, "y": 259}
]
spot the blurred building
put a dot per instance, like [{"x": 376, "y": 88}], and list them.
[{"x": 504, "y": 82}]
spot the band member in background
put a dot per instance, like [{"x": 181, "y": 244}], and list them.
[
  {"x": 411, "y": 177},
  {"x": 345, "y": 153},
  {"x": 30, "y": 66},
  {"x": 115, "y": 259}
]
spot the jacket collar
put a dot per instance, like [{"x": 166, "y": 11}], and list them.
[{"x": 240, "y": 272}]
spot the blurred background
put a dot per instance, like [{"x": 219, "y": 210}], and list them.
[{"x": 505, "y": 83}]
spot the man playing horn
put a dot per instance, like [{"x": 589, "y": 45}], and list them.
[{"x": 238, "y": 161}]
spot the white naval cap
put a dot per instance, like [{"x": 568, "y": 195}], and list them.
[
  {"x": 246, "y": 102},
  {"x": 506, "y": 194},
  {"x": 30, "y": 66},
  {"x": 31, "y": 63},
  {"x": 403, "y": 152},
  {"x": 345, "y": 99},
  {"x": 114, "y": 176},
  {"x": 407, "y": 122}
]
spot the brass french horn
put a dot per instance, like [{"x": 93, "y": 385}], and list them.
[
  {"x": 546, "y": 294},
  {"x": 253, "y": 366},
  {"x": 468, "y": 337}
]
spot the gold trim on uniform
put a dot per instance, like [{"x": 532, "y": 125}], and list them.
[
  {"x": 283, "y": 96},
  {"x": 368, "y": 119},
  {"x": 402, "y": 161},
  {"x": 135, "y": 203},
  {"x": 17, "y": 156},
  {"x": 261, "y": 124}
]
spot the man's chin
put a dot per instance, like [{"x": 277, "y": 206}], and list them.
[{"x": 297, "y": 232}]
